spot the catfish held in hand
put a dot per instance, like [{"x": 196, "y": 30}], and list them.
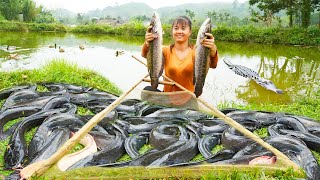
[
  {"x": 154, "y": 56},
  {"x": 202, "y": 58}
]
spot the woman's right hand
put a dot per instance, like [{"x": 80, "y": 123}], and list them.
[{"x": 149, "y": 37}]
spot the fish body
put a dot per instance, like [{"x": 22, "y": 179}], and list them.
[
  {"x": 202, "y": 59},
  {"x": 251, "y": 74},
  {"x": 154, "y": 56}
]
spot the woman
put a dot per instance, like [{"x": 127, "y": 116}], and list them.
[{"x": 179, "y": 56}]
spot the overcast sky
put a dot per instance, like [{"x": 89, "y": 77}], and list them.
[{"x": 86, "y": 5}]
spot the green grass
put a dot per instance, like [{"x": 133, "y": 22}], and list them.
[
  {"x": 262, "y": 133},
  {"x": 84, "y": 111},
  {"x": 41, "y": 88},
  {"x": 205, "y": 172},
  {"x": 58, "y": 71}
]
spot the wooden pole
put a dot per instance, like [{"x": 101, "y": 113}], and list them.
[
  {"x": 40, "y": 167},
  {"x": 233, "y": 123},
  {"x": 160, "y": 82}
]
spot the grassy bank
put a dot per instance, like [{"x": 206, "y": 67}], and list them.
[
  {"x": 59, "y": 71},
  {"x": 272, "y": 35},
  {"x": 35, "y": 27},
  {"x": 265, "y": 35}
]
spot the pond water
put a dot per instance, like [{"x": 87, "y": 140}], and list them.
[{"x": 295, "y": 70}]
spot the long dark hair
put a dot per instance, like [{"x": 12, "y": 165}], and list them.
[{"x": 184, "y": 20}]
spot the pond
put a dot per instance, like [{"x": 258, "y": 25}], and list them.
[{"x": 295, "y": 70}]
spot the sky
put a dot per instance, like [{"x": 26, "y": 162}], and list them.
[{"x": 81, "y": 6}]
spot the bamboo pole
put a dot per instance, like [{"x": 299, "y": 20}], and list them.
[
  {"x": 233, "y": 123},
  {"x": 40, "y": 167},
  {"x": 160, "y": 82}
]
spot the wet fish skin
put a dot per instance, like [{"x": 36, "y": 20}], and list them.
[
  {"x": 55, "y": 140},
  {"x": 209, "y": 126},
  {"x": 112, "y": 149},
  {"x": 152, "y": 155},
  {"x": 180, "y": 113},
  {"x": 21, "y": 96},
  {"x": 274, "y": 130},
  {"x": 133, "y": 143},
  {"x": 292, "y": 122},
  {"x": 164, "y": 136},
  {"x": 17, "y": 149},
  {"x": 61, "y": 120},
  {"x": 5, "y": 93},
  {"x": 234, "y": 140},
  {"x": 294, "y": 148},
  {"x": 265, "y": 118},
  {"x": 155, "y": 59},
  {"x": 202, "y": 59},
  {"x": 207, "y": 143},
  {"x": 312, "y": 141},
  {"x": 14, "y": 113},
  {"x": 183, "y": 154},
  {"x": 55, "y": 102},
  {"x": 221, "y": 155}
]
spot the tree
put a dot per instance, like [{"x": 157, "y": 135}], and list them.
[
  {"x": 190, "y": 14},
  {"x": 291, "y": 6},
  {"x": 268, "y": 8},
  {"x": 10, "y": 9},
  {"x": 221, "y": 17},
  {"x": 316, "y": 7},
  {"x": 306, "y": 13},
  {"x": 29, "y": 11},
  {"x": 212, "y": 15},
  {"x": 79, "y": 18},
  {"x": 44, "y": 16},
  {"x": 227, "y": 16}
]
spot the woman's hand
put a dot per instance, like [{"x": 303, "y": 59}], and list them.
[
  {"x": 149, "y": 37},
  {"x": 209, "y": 43}
]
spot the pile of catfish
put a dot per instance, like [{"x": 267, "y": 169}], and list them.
[{"x": 176, "y": 135}]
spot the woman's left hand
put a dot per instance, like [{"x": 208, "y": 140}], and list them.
[{"x": 209, "y": 43}]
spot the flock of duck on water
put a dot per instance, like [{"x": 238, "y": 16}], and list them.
[
  {"x": 81, "y": 47},
  {"x": 16, "y": 55},
  {"x": 61, "y": 50}
]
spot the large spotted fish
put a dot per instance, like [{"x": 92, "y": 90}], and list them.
[
  {"x": 202, "y": 58},
  {"x": 154, "y": 55},
  {"x": 251, "y": 74}
]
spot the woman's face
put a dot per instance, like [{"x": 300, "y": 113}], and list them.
[{"x": 181, "y": 32}]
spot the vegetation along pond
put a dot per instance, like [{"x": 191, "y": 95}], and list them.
[{"x": 294, "y": 69}]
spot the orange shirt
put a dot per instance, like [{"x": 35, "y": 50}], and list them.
[{"x": 181, "y": 70}]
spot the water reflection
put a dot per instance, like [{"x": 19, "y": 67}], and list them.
[{"x": 292, "y": 69}]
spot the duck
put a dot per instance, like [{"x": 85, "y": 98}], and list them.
[
  {"x": 61, "y": 49},
  {"x": 11, "y": 47},
  {"x": 119, "y": 52},
  {"x": 13, "y": 56},
  {"x": 81, "y": 47},
  {"x": 53, "y": 46}
]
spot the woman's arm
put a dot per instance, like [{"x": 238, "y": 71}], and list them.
[{"x": 149, "y": 37}]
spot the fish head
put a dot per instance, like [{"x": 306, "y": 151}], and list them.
[
  {"x": 208, "y": 25},
  {"x": 204, "y": 28},
  {"x": 155, "y": 21},
  {"x": 263, "y": 160}
]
